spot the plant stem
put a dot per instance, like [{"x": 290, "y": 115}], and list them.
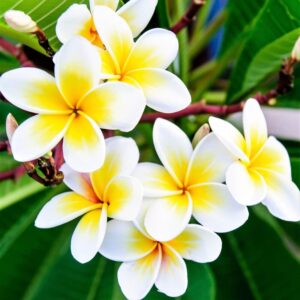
[{"x": 189, "y": 15}]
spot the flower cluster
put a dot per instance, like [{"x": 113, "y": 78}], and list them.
[{"x": 140, "y": 213}]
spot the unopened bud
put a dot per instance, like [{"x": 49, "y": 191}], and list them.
[
  {"x": 200, "y": 134},
  {"x": 20, "y": 21},
  {"x": 296, "y": 51},
  {"x": 11, "y": 126}
]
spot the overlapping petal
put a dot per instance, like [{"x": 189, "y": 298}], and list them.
[
  {"x": 197, "y": 243},
  {"x": 88, "y": 235},
  {"x": 172, "y": 277},
  {"x": 215, "y": 208},
  {"x": 74, "y": 75},
  {"x": 63, "y": 208},
  {"x": 156, "y": 180},
  {"x": 136, "y": 278},
  {"x": 255, "y": 127},
  {"x": 124, "y": 195},
  {"x": 163, "y": 90},
  {"x": 115, "y": 34},
  {"x": 84, "y": 145},
  {"x": 137, "y": 14},
  {"x": 167, "y": 217},
  {"x": 121, "y": 158},
  {"x": 38, "y": 135},
  {"x": 79, "y": 183},
  {"x": 113, "y": 4},
  {"x": 283, "y": 196},
  {"x": 33, "y": 90},
  {"x": 114, "y": 105},
  {"x": 124, "y": 242},
  {"x": 274, "y": 157},
  {"x": 245, "y": 184},
  {"x": 230, "y": 137},
  {"x": 156, "y": 48},
  {"x": 209, "y": 162},
  {"x": 76, "y": 20},
  {"x": 173, "y": 148}
]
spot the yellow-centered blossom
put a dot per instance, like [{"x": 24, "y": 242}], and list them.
[
  {"x": 147, "y": 261},
  {"x": 190, "y": 182},
  {"x": 72, "y": 106},
  {"x": 109, "y": 192},
  {"x": 261, "y": 171}
]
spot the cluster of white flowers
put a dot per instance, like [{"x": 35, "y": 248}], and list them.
[{"x": 139, "y": 213}]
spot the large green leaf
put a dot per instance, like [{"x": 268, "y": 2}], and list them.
[
  {"x": 44, "y": 12},
  {"x": 271, "y": 40},
  {"x": 241, "y": 16}
]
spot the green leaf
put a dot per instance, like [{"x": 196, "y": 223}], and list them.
[
  {"x": 44, "y": 12},
  {"x": 241, "y": 16},
  {"x": 7, "y": 62},
  {"x": 271, "y": 40}
]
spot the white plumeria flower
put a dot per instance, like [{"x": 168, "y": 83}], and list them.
[
  {"x": 108, "y": 192},
  {"x": 261, "y": 171},
  {"x": 78, "y": 20},
  {"x": 147, "y": 261},
  {"x": 189, "y": 183},
  {"x": 72, "y": 106},
  {"x": 142, "y": 63}
]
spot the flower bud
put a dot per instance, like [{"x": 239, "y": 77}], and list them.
[
  {"x": 20, "y": 21},
  {"x": 11, "y": 126},
  {"x": 200, "y": 134},
  {"x": 296, "y": 51}
]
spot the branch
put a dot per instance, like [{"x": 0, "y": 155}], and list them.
[
  {"x": 189, "y": 16},
  {"x": 284, "y": 85}
]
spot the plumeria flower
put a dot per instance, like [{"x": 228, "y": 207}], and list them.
[
  {"x": 141, "y": 63},
  {"x": 72, "y": 106},
  {"x": 78, "y": 20},
  {"x": 261, "y": 171},
  {"x": 108, "y": 192},
  {"x": 190, "y": 182},
  {"x": 147, "y": 261}
]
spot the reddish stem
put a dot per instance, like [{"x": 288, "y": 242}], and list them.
[
  {"x": 13, "y": 174},
  {"x": 189, "y": 16}
]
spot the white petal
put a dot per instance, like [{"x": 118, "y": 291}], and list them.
[
  {"x": 246, "y": 185},
  {"x": 209, "y": 161},
  {"x": 255, "y": 127},
  {"x": 230, "y": 137},
  {"x": 215, "y": 208},
  {"x": 124, "y": 195},
  {"x": 124, "y": 242},
  {"x": 274, "y": 157},
  {"x": 164, "y": 91},
  {"x": 33, "y": 90},
  {"x": 167, "y": 217},
  {"x": 156, "y": 48},
  {"x": 38, "y": 135},
  {"x": 173, "y": 148},
  {"x": 156, "y": 180},
  {"x": 283, "y": 197},
  {"x": 136, "y": 278},
  {"x": 79, "y": 183},
  {"x": 63, "y": 208},
  {"x": 113, "y": 4},
  {"x": 172, "y": 277},
  {"x": 137, "y": 14},
  {"x": 198, "y": 244},
  {"x": 74, "y": 21},
  {"x": 88, "y": 235},
  {"x": 114, "y": 105},
  {"x": 139, "y": 221},
  {"x": 122, "y": 155},
  {"x": 115, "y": 34},
  {"x": 77, "y": 69},
  {"x": 84, "y": 145}
]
